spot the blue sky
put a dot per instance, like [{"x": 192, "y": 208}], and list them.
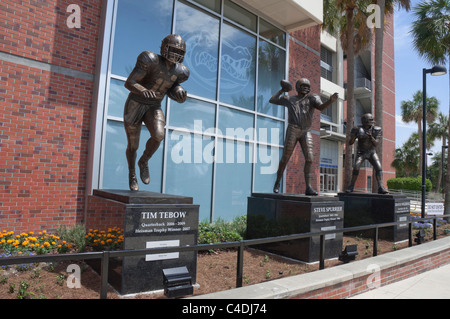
[{"x": 408, "y": 76}]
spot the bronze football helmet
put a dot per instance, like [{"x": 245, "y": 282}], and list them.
[{"x": 173, "y": 48}]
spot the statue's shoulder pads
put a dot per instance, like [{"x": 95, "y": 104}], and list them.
[
  {"x": 147, "y": 59},
  {"x": 182, "y": 73}
]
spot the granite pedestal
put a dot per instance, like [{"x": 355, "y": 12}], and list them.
[
  {"x": 150, "y": 220},
  {"x": 369, "y": 208},
  {"x": 270, "y": 215}
]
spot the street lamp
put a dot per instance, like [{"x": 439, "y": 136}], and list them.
[
  {"x": 442, "y": 172},
  {"x": 435, "y": 70}
]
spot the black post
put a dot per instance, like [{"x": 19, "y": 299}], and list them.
[
  {"x": 240, "y": 265},
  {"x": 424, "y": 140},
  {"x": 322, "y": 252},
  {"x": 104, "y": 275}
]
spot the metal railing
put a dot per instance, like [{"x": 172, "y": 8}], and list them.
[{"x": 105, "y": 256}]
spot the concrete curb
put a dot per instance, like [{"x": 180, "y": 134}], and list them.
[{"x": 348, "y": 279}]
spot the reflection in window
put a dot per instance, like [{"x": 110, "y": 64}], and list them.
[
  {"x": 201, "y": 33},
  {"x": 267, "y": 160},
  {"x": 272, "y": 33},
  {"x": 235, "y": 124},
  {"x": 118, "y": 95},
  {"x": 210, "y": 4},
  {"x": 193, "y": 115},
  {"x": 115, "y": 167},
  {"x": 233, "y": 179},
  {"x": 237, "y": 78},
  {"x": 140, "y": 26},
  {"x": 188, "y": 172},
  {"x": 271, "y": 69},
  {"x": 270, "y": 131},
  {"x": 239, "y": 15}
]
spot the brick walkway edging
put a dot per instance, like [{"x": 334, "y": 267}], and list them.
[{"x": 348, "y": 279}]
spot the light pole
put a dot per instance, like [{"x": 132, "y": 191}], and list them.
[
  {"x": 442, "y": 172},
  {"x": 435, "y": 70}
]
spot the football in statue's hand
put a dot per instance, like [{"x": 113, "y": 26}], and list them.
[
  {"x": 286, "y": 86},
  {"x": 178, "y": 94}
]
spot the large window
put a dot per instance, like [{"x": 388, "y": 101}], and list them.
[{"x": 226, "y": 140}]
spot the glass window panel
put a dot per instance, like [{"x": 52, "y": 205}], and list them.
[
  {"x": 233, "y": 179},
  {"x": 267, "y": 160},
  {"x": 240, "y": 15},
  {"x": 193, "y": 115},
  {"x": 270, "y": 131},
  {"x": 189, "y": 169},
  {"x": 272, "y": 33},
  {"x": 201, "y": 33},
  {"x": 236, "y": 124},
  {"x": 271, "y": 70},
  {"x": 237, "y": 76},
  {"x": 210, "y": 4},
  {"x": 140, "y": 26},
  {"x": 118, "y": 95},
  {"x": 115, "y": 167}
]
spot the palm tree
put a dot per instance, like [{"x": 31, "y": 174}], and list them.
[
  {"x": 439, "y": 129},
  {"x": 386, "y": 8},
  {"x": 412, "y": 112},
  {"x": 431, "y": 34},
  {"x": 406, "y": 162},
  {"x": 348, "y": 19}
]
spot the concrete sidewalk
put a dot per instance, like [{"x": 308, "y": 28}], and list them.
[{"x": 433, "y": 284}]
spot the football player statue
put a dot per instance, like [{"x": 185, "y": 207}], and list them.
[
  {"x": 368, "y": 136},
  {"x": 300, "y": 113},
  {"x": 153, "y": 77}
]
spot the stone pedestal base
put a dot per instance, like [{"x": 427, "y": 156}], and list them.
[
  {"x": 270, "y": 215},
  {"x": 368, "y": 208},
  {"x": 149, "y": 220}
]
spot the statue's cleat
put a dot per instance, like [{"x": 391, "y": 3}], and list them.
[
  {"x": 382, "y": 190},
  {"x": 134, "y": 186},
  {"x": 310, "y": 191},
  {"x": 349, "y": 189},
  {"x": 276, "y": 188},
  {"x": 144, "y": 173}
]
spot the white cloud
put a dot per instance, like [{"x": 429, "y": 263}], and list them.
[{"x": 399, "y": 123}]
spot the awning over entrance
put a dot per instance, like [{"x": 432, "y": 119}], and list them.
[{"x": 290, "y": 14}]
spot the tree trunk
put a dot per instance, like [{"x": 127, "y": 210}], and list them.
[
  {"x": 378, "y": 105},
  {"x": 350, "y": 97},
  {"x": 441, "y": 166}
]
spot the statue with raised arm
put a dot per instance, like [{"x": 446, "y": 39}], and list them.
[
  {"x": 368, "y": 136},
  {"x": 153, "y": 77},
  {"x": 300, "y": 113}
]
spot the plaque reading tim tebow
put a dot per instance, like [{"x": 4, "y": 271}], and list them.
[{"x": 159, "y": 226}]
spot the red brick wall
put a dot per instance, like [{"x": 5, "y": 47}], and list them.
[
  {"x": 44, "y": 118},
  {"x": 304, "y": 63}
]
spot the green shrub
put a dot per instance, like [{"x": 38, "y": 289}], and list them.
[
  {"x": 222, "y": 231},
  {"x": 409, "y": 183}
]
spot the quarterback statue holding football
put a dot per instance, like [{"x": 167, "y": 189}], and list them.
[
  {"x": 300, "y": 114},
  {"x": 153, "y": 77}
]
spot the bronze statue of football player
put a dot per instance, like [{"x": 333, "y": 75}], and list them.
[
  {"x": 300, "y": 113},
  {"x": 152, "y": 78},
  {"x": 368, "y": 136}
]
